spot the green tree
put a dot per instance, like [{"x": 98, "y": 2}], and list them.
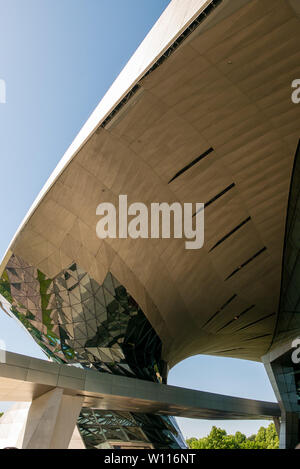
[
  {"x": 240, "y": 438},
  {"x": 266, "y": 438},
  {"x": 272, "y": 437}
]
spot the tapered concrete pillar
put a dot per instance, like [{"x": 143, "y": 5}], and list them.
[
  {"x": 48, "y": 422},
  {"x": 276, "y": 421},
  {"x": 51, "y": 421},
  {"x": 66, "y": 421}
]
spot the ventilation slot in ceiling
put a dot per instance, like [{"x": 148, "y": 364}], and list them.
[
  {"x": 229, "y": 350},
  {"x": 258, "y": 337},
  {"x": 207, "y": 204},
  {"x": 122, "y": 103},
  {"x": 221, "y": 309},
  {"x": 183, "y": 170},
  {"x": 191, "y": 28},
  {"x": 256, "y": 322},
  {"x": 230, "y": 233},
  {"x": 205, "y": 13},
  {"x": 246, "y": 263},
  {"x": 238, "y": 316}
]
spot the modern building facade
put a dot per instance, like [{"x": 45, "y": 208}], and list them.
[{"x": 201, "y": 113}]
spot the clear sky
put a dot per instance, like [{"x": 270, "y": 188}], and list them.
[{"x": 58, "y": 58}]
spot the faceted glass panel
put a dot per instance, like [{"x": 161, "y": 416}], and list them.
[{"x": 76, "y": 320}]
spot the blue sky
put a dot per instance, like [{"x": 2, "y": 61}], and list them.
[{"x": 58, "y": 58}]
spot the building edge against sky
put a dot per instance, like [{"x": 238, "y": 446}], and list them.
[{"x": 202, "y": 83}]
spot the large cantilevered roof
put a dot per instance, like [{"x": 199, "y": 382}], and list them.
[{"x": 211, "y": 84}]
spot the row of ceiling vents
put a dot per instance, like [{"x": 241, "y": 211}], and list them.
[
  {"x": 178, "y": 42},
  {"x": 222, "y": 240}
]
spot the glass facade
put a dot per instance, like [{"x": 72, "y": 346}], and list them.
[
  {"x": 98, "y": 427},
  {"x": 285, "y": 374},
  {"x": 77, "y": 321},
  {"x": 289, "y": 311}
]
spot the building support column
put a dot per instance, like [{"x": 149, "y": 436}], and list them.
[
  {"x": 283, "y": 374},
  {"x": 289, "y": 430},
  {"x": 51, "y": 421},
  {"x": 277, "y": 424}
]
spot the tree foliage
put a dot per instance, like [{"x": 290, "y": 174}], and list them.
[{"x": 266, "y": 438}]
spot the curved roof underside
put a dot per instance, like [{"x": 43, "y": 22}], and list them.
[{"x": 226, "y": 87}]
